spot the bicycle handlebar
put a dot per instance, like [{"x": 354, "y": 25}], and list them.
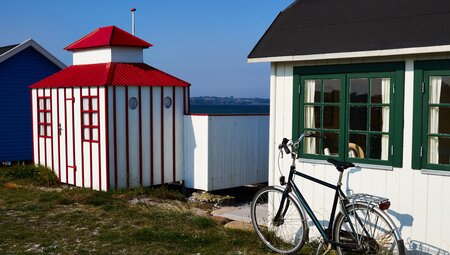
[
  {"x": 284, "y": 143},
  {"x": 284, "y": 146}
]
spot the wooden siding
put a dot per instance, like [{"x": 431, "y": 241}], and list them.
[
  {"x": 146, "y": 143},
  {"x": 420, "y": 205},
  {"x": 74, "y": 161},
  {"x": 16, "y": 74},
  {"x": 225, "y": 151}
]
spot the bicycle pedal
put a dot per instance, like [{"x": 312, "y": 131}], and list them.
[{"x": 282, "y": 180}]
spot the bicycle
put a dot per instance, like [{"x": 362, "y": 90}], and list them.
[{"x": 361, "y": 225}]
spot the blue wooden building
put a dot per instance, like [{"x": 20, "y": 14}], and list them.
[{"x": 20, "y": 66}]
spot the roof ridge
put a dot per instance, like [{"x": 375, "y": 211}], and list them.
[{"x": 109, "y": 78}]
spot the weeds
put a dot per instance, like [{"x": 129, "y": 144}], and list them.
[{"x": 37, "y": 175}]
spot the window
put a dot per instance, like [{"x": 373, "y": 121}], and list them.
[
  {"x": 431, "y": 149},
  {"x": 355, "y": 111},
  {"x": 44, "y": 116},
  {"x": 90, "y": 118}
]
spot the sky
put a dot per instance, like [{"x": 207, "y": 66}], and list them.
[{"x": 204, "y": 42}]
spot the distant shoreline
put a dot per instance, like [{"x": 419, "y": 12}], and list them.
[{"x": 208, "y": 100}]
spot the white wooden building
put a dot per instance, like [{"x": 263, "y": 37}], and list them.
[
  {"x": 225, "y": 151},
  {"x": 109, "y": 120},
  {"x": 374, "y": 78}
]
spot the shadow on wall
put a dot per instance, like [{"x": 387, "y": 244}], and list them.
[
  {"x": 417, "y": 247},
  {"x": 405, "y": 220}
]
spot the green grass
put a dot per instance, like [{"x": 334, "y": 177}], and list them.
[{"x": 42, "y": 217}]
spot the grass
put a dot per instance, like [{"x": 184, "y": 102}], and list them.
[{"x": 38, "y": 216}]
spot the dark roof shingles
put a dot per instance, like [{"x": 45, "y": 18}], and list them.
[
  {"x": 7, "y": 48},
  {"x": 331, "y": 26}
]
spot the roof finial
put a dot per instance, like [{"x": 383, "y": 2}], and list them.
[{"x": 132, "y": 21}]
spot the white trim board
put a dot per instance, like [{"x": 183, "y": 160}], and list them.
[
  {"x": 354, "y": 54},
  {"x": 36, "y": 46}
]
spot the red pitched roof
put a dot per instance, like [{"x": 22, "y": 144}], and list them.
[
  {"x": 110, "y": 74},
  {"x": 108, "y": 36}
]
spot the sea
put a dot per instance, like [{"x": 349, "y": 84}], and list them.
[{"x": 230, "y": 109}]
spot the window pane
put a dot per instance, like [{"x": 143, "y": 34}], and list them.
[
  {"x": 48, "y": 117},
  {"x": 357, "y": 146},
  {"x": 94, "y": 104},
  {"x": 95, "y": 134},
  {"x": 438, "y": 150},
  {"x": 380, "y": 90},
  {"x": 312, "y": 91},
  {"x": 85, "y": 104},
  {"x": 41, "y": 117},
  {"x": 331, "y": 117},
  {"x": 331, "y": 90},
  {"x": 312, "y": 117},
  {"x": 48, "y": 130},
  {"x": 379, "y": 119},
  {"x": 358, "y": 118},
  {"x": 439, "y": 90},
  {"x": 86, "y": 119},
  {"x": 379, "y": 147},
  {"x": 331, "y": 144},
  {"x": 47, "y": 104},
  {"x": 94, "y": 119},
  {"x": 438, "y": 120},
  {"x": 86, "y": 134},
  {"x": 359, "y": 90},
  {"x": 41, "y": 104},
  {"x": 311, "y": 145},
  {"x": 41, "y": 130}
]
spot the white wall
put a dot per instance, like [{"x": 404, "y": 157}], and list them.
[
  {"x": 74, "y": 162},
  {"x": 151, "y": 151},
  {"x": 420, "y": 204},
  {"x": 107, "y": 55},
  {"x": 225, "y": 151},
  {"x": 196, "y": 151}
]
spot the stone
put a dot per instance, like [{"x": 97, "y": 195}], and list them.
[{"x": 239, "y": 225}]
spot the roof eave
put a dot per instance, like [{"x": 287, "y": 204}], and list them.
[
  {"x": 36, "y": 46},
  {"x": 353, "y": 54}
]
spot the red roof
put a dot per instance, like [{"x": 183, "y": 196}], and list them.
[
  {"x": 108, "y": 36},
  {"x": 110, "y": 74}
]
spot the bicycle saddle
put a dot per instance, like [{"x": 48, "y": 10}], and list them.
[{"x": 340, "y": 165}]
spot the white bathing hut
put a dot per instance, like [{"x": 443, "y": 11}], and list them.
[{"x": 110, "y": 120}]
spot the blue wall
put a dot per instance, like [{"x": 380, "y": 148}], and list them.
[{"x": 16, "y": 75}]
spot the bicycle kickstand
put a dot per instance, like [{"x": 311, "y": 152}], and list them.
[{"x": 319, "y": 248}]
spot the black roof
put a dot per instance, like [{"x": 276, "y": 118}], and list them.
[
  {"x": 7, "y": 48},
  {"x": 332, "y": 26}
]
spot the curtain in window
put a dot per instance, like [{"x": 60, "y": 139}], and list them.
[
  {"x": 309, "y": 144},
  {"x": 433, "y": 119},
  {"x": 385, "y": 98}
]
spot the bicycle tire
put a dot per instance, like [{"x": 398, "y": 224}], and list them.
[
  {"x": 284, "y": 236},
  {"x": 379, "y": 237}
]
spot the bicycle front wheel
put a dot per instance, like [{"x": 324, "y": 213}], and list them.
[
  {"x": 371, "y": 230},
  {"x": 280, "y": 226}
]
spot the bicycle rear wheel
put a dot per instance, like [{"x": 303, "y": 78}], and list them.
[
  {"x": 285, "y": 234},
  {"x": 372, "y": 229}
]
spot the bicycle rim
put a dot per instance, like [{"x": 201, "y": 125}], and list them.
[
  {"x": 372, "y": 229},
  {"x": 285, "y": 235}
]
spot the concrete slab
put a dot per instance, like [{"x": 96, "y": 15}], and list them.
[{"x": 236, "y": 213}]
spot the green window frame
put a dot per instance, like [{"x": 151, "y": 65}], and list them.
[
  {"x": 345, "y": 105},
  {"x": 431, "y": 79}
]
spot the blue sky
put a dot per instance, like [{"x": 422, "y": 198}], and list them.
[{"x": 205, "y": 42}]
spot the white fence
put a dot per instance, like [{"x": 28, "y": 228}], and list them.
[{"x": 225, "y": 151}]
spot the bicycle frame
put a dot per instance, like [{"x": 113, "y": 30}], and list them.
[{"x": 339, "y": 195}]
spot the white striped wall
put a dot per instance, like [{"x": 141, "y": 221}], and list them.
[
  {"x": 75, "y": 162},
  {"x": 420, "y": 205},
  {"x": 225, "y": 151},
  {"x": 146, "y": 143}
]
